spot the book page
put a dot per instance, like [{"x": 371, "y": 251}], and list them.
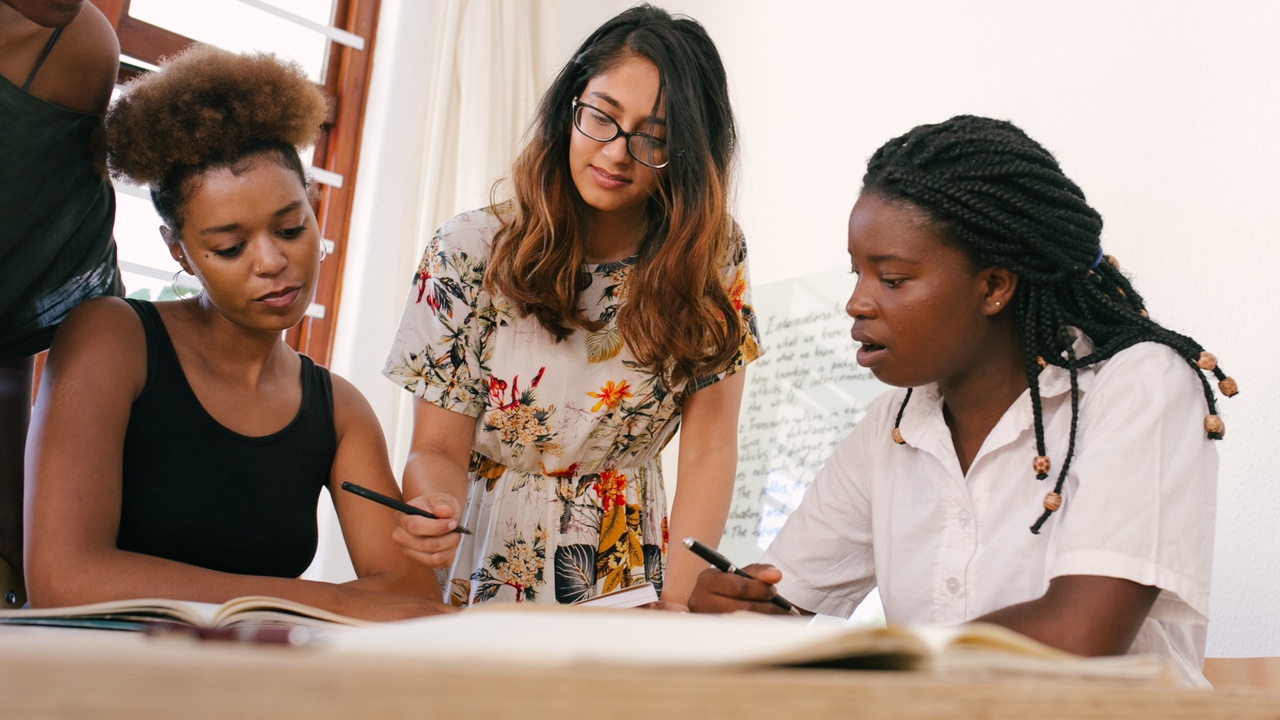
[
  {"x": 253, "y": 609},
  {"x": 564, "y": 635},
  {"x": 542, "y": 636},
  {"x": 143, "y": 610},
  {"x": 627, "y": 597}
]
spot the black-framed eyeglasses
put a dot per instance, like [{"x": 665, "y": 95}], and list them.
[{"x": 601, "y": 127}]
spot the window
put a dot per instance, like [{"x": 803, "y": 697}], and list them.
[{"x": 333, "y": 41}]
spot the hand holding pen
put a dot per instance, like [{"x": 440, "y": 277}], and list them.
[
  {"x": 728, "y": 588},
  {"x": 430, "y": 538},
  {"x": 395, "y": 504}
]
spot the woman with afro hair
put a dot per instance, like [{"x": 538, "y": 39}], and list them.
[{"x": 178, "y": 449}]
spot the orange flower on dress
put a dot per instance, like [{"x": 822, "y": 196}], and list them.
[
  {"x": 737, "y": 289},
  {"x": 610, "y": 395}
]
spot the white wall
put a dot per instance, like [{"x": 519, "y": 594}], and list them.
[
  {"x": 1163, "y": 111},
  {"x": 1158, "y": 109}
]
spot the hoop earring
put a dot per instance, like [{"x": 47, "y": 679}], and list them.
[{"x": 181, "y": 292}]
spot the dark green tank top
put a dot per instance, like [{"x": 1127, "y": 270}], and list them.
[{"x": 56, "y": 215}]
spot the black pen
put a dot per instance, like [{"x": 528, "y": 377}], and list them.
[
  {"x": 722, "y": 564},
  {"x": 395, "y": 504}
]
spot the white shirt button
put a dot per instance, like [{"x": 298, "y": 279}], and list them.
[
  {"x": 964, "y": 518},
  {"x": 953, "y": 586}
]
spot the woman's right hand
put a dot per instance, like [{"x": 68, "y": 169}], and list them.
[
  {"x": 722, "y": 592},
  {"x": 430, "y": 542}
]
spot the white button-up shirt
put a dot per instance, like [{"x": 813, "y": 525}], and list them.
[{"x": 945, "y": 547}]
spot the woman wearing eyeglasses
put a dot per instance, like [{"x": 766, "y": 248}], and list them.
[{"x": 555, "y": 341}]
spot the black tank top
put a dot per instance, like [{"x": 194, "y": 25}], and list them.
[{"x": 198, "y": 493}]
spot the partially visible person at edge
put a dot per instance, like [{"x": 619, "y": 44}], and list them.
[
  {"x": 555, "y": 341},
  {"x": 58, "y": 64},
  {"x": 178, "y": 449},
  {"x": 1026, "y": 356}
]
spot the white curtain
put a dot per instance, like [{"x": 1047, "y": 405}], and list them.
[{"x": 453, "y": 90}]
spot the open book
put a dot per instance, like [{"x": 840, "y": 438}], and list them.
[
  {"x": 138, "y": 614},
  {"x": 255, "y": 610},
  {"x": 548, "y": 635}
]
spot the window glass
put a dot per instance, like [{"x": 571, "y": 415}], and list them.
[{"x": 241, "y": 27}]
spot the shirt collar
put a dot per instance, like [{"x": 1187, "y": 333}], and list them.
[{"x": 924, "y": 412}]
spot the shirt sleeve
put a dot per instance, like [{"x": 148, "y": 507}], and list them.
[
  {"x": 825, "y": 548},
  {"x": 440, "y": 349},
  {"x": 737, "y": 283},
  {"x": 1141, "y": 503}
]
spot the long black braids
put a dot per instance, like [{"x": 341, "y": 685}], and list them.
[{"x": 1004, "y": 200}]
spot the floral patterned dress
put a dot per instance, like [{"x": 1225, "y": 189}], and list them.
[{"x": 565, "y": 485}]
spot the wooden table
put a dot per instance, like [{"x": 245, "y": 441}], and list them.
[{"x": 98, "y": 674}]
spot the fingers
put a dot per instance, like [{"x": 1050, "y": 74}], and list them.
[
  {"x": 722, "y": 592},
  {"x": 442, "y": 505},
  {"x": 431, "y": 542},
  {"x": 667, "y": 606},
  {"x": 434, "y": 551}
]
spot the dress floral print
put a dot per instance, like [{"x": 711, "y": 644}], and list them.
[{"x": 565, "y": 485}]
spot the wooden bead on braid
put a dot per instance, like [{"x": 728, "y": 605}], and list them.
[
  {"x": 1207, "y": 361},
  {"x": 1228, "y": 387},
  {"x": 1041, "y": 466},
  {"x": 1113, "y": 261},
  {"x": 1052, "y": 502},
  {"x": 897, "y": 434},
  {"x": 1041, "y": 362},
  {"x": 1215, "y": 427}
]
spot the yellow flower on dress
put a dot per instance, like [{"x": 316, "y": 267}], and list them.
[{"x": 610, "y": 395}]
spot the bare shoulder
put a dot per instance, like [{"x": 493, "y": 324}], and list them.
[
  {"x": 102, "y": 338},
  {"x": 80, "y": 72},
  {"x": 350, "y": 408},
  {"x": 103, "y": 315}
]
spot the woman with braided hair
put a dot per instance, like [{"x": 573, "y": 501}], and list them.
[
  {"x": 1048, "y": 466},
  {"x": 178, "y": 449}
]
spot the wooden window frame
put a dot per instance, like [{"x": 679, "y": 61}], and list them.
[{"x": 346, "y": 85}]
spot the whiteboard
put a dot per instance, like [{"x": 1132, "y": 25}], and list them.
[{"x": 802, "y": 398}]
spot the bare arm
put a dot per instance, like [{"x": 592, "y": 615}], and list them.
[
  {"x": 367, "y": 527},
  {"x": 704, "y": 484},
  {"x": 1084, "y": 614},
  {"x": 435, "y": 479},
  {"x": 95, "y": 369}
]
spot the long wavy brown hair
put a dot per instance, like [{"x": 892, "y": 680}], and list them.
[{"x": 677, "y": 318}]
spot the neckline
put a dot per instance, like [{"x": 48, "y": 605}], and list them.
[
  {"x": 45, "y": 104},
  {"x": 190, "y": 392},
  {"x": 612, "y": 265}
]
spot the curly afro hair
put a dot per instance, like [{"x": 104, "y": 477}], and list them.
[{"x": 206, "y": 108}]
